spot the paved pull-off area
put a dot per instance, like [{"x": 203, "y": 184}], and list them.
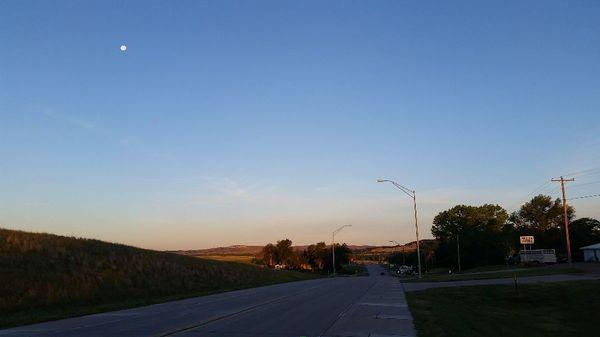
[{"x": 372, "y": 306}]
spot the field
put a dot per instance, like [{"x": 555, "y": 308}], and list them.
[
  {"x": 550, "y": 309},
  {"x": 228, "y": 258},
  {"x": 48, "y": 277}
]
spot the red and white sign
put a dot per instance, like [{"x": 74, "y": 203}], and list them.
[{"x": 526, "y": 240}]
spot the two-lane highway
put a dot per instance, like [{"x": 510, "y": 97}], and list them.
[{"x": 306, "y": 308}]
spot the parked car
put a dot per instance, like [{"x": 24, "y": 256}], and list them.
[{"x": 406, "y": 270}]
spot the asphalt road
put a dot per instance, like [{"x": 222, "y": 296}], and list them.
[{"x": 344, "y": 306}]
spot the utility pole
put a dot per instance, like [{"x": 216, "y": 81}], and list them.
[{"x": 564, "y": 199}]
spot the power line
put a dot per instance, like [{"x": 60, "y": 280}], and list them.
[
  {"x": 585, "y": 184},
  {"x": 587, "y": 173},
  {"x": 548, "y": 189},
  {"x": 528, "y": 195},
  {"x": 584, "y": 172},
  {"x": 586, "y": 196},
  {"x": 551, "y": 191}
]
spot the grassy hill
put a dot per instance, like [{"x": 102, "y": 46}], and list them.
[
  {"x": 237, "y": 250},
  {"x": 45, "y": 276}
]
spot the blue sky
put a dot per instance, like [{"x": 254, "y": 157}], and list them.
[{"x": 230, "y": 122}]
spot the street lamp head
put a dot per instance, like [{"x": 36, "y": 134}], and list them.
[
  {"x": 339, "y": 229},
  {"x": 380, "y": 180}
]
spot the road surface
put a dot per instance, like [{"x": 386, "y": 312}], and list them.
[{"x": 370, "y": 306}]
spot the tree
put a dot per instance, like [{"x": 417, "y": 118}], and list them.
[
  {"x": 319, "y": 256},
  {"x": 541, "y": 213},
  {"x": 269, "y": 253},
  {"x": 284, "y": 252},
  {"x": 478, "y": 229},
  {"x": 583, "y": 232},
  {"x": 342, "y": 256},
  {"x": 428, "y": 251},
  {"x": 543, "y": 218},
  {"x": 316, "y": 255},
  {"x": 281, "y": 253}
]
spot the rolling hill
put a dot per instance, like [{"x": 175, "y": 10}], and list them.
[
  {"x": 243, "y": 250},
  {"x": 246, "y": 253},
  {"x": 45, "y": 276}
]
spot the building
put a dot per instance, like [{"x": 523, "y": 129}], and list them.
[{"x": 591, "y": 253}]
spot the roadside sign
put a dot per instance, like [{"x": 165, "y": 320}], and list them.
[{"x": 527, "y": 240}]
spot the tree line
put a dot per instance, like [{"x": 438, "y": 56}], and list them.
[
  {"x": 487, "y": 234},
  {"x": 316, "y": 257}
]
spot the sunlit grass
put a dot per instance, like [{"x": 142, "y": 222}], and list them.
[{"x": 47, "y": 276}]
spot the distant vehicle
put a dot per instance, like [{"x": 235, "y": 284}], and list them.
[
  {"x": 538, "y": 256},
  {"x": 406, "y": 270}
]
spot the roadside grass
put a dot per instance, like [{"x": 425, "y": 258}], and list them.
[
  {"x": 548, "y": 309},
  {"x": 532, "y": 271},
  {"x": 493, "y": 267},
  {"x": 45, "y": 277}
]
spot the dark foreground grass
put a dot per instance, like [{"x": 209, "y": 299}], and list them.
[
  {"x": 45, "y": 277},
  {"x": 550, "y": 309},
  {"x": 534, "y": 271}
]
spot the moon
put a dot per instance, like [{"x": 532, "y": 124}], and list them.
[{"x": 123, "y": 47}]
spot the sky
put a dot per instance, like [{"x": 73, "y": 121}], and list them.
[{"x": 244, "y": 122}]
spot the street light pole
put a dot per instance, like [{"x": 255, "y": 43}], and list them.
[
  {"x": 417, "y": 231},
  {"x": 333, "y": 244},
  {"x": 413, "y": 195}
]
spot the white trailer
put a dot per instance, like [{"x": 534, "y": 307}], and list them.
[{"x": 538, "y": 256}]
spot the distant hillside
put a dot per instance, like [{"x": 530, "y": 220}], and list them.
[
  {"x": 243, "y": 250},
  {"x": 239, "y": 250},
  {"x": 45, "y": 276},
  {"x": 386, "y": 250}
]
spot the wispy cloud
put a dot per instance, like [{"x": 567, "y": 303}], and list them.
[
  {"x": 127, "y": 142},
  {"x": 231, "y": 188},
  {"x": 226, "y": 190},
  {"x": 73, "y": 121},
  {"x": 323, "y": 188}
]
